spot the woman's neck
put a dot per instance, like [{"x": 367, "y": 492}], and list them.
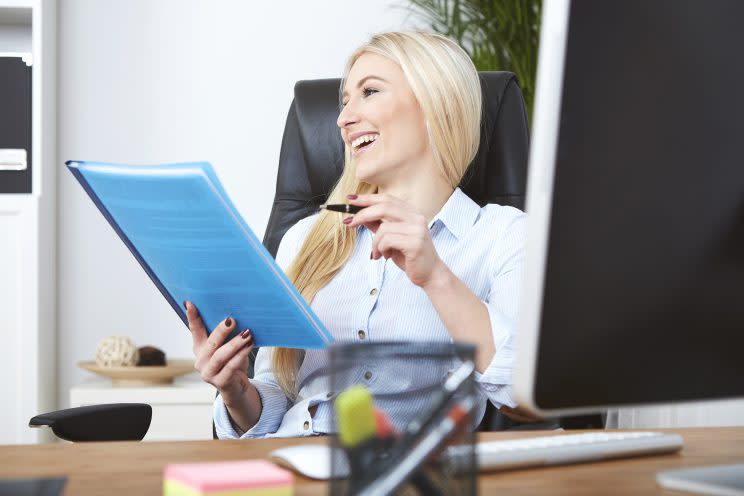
[{"x": 427, "y": 194}]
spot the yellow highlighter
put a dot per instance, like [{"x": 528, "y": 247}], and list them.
[{"x": 355, "y": 412}]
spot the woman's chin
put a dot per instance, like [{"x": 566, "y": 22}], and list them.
[{"x": 367, "y": 173}]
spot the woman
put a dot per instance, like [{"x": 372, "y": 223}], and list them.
[{"x": 421, "y": 262}]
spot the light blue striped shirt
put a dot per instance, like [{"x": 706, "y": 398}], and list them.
[{"x": 373, "y": 300}]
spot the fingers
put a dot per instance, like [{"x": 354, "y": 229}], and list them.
[
  {"x": 368, "y": 200},
  {"x": 387, "y": 245},
  {"x": 382, "y": 208},
  {"x": 236, "y": 367},
  {"x": 379, "y": 213},
  {"x": 225, "y": 353},
  {"x": 398, "y": 236},
  {"x": 196, "y": 325},
  {"x": 218, "y": 336}
]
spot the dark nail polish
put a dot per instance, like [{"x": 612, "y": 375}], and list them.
[
  {"x": 351, "y": 197},
  {"x": 347, "y": 220},
  {"x": 245, "y": 334},
  {"x": 185, "y": 305},
  {"x": 228, "y": 322},
  {"x": 370, "y": 255}
]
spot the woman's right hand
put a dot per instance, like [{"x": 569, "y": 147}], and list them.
[{"x": 224, "y": 367}]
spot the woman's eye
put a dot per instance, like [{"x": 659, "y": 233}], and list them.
[{"x": 365, "y": 93}]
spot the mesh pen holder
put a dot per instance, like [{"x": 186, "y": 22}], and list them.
[{"x": 420, "y": 439}]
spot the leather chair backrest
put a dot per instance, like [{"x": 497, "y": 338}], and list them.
[{"x": 312, "y": 153}]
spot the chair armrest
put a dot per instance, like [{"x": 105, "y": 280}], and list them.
[{"x": 111, "y": 422}]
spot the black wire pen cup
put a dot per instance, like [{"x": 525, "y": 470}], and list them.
[{"x": 404, "y": 414}]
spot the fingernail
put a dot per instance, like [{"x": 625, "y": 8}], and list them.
[
  {"x": 228, "y": 322},
  {"x": 245, "y": 334},
  {"x": 347, "y": 220},
  {"x": 370, "y": 255},
  {"x": 351, "y": 197},
  {"x": 186, "y": 305}
]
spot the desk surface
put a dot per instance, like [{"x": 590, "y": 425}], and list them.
[{"x": 136, "y": 468}]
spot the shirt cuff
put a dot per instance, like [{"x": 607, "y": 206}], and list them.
[
  {"x": 498, "y": 394},
  {"x": 274, "y": 406},
  {"x": 496, "y": 380}
]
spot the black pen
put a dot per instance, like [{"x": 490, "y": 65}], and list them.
[{"x": 344, "y": 208}]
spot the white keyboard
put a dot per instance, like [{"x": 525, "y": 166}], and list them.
[{"x": 572, "y": 448}]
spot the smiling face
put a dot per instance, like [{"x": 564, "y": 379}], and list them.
[{"x": 382, "y": 123}]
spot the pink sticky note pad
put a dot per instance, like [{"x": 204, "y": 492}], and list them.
[{"x": 225, "y": 476}]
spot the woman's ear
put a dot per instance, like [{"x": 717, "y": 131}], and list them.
[{"x": 428, "y": 132}]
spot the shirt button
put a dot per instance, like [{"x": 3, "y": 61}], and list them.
[
  {"x": 373, "y": 292},
  {"x": 306, "y": 425},
  {"x": 368, "y": 375},
  {"x": 361, "y": 334}
]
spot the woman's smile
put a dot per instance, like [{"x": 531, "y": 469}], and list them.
[{"x": 364, "y": 143}]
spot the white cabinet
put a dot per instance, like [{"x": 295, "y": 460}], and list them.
[
  {"x": 28, "y": 236},
  {"x": 180, "y": 411}
]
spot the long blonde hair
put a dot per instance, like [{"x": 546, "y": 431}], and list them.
[{"x": 445, "y": 83}]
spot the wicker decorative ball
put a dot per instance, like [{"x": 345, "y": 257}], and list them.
[{"x": 117, "y": 351}]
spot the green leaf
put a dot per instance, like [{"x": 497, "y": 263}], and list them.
[{"x": 498, "y": 35}]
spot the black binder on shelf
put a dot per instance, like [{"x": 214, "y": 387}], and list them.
[{"x": 15, "y": 124}]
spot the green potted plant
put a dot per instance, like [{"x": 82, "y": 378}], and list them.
[{"x": 499, "y": 35}]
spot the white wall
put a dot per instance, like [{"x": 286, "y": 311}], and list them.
[
  {"x": 147, "y": 81},
  {"x": 697, "y": 414}
]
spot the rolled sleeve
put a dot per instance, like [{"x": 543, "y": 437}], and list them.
[
  {"x": 498, "y": 394},
  {"x": 496, "y": 380},
  {"x": 502, "y": 304},
  {"x": 274, "y": 404}
]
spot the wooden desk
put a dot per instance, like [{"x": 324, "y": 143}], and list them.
[{"x": 136, "y": 468}]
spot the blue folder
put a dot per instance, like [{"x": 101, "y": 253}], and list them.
[{"x": 182, "y": 228}]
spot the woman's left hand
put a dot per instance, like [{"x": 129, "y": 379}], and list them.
[{"x": 401, "y": 233}]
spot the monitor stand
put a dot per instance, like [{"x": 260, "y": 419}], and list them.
[{"x": 723, "y": 480}]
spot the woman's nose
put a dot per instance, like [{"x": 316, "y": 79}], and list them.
[{"x": 347, "y": 117}]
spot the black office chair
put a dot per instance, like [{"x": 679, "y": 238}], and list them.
[{"x": 109, "y": 422}]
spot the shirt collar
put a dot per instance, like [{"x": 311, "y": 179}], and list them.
[{"x": 458, "y": 214}]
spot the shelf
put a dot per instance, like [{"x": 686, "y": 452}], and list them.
[
  {"x": 15, "y": 29},
  {"x": 15, "y": 16},
  {"x": 6, "y": 5},
  {"x": 29, "y": 222}
]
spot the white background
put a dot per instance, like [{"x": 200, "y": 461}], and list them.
[{"x": 146, "y": 81}]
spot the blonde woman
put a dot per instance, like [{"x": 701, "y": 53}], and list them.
[{"x": 422, "y": 261}]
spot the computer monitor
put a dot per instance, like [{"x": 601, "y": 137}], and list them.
[{"x": 634, "y": 283}]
